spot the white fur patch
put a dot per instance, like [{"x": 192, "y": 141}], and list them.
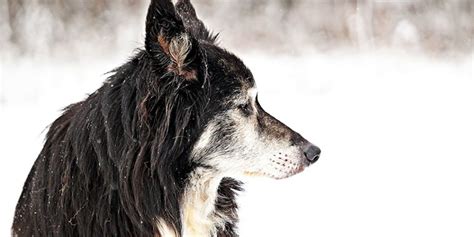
[
  {"x": 198, "y": 208},
  {"x": 165, "y": 229},
  {"x": 252, "y": 92},
  {"x": 205, "y": 138},
  {"x": 179, "y": 48}
]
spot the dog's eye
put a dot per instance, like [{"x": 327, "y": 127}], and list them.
[{"x": 245, "y": 108}]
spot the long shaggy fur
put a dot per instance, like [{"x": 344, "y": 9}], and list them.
[
  {"x": 107, "y": 160},
  {"x": 116, "y": 162}
]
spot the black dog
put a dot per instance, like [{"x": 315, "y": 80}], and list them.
[{"x": 158, "y": 149}]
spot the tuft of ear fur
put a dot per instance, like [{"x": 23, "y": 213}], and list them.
[
  {"x": 167, "y": 40},
  {"x": 192, "y": 23}
]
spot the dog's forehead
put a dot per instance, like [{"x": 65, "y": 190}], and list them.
[{"x": 227, "y": 66}]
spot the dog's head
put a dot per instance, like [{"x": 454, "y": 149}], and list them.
[{"x": 237, "y": 137}]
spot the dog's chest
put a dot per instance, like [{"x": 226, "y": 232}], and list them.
[
  {"x": 209, "y": 209},
  {"x": 200, "y": 217},
  {"x": 196, "y": 224}
]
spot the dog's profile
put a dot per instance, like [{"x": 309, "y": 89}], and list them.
[{"x": 158, "y": 150}]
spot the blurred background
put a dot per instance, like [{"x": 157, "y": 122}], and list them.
[
  {"x": 435, "y": 27},
  {"x": 385, "y": 88}
]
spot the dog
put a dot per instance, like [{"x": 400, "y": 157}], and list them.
[{"x": 160, "y": 148}]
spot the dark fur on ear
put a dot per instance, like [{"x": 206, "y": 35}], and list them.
[
  {"x": 167, "y": 40},
  {"x": 192, "y": 23}
]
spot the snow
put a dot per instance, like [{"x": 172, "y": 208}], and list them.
[{"x": 396, "y": 133}]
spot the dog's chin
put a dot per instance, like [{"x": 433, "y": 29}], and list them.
[
  {"x": 275, "y": 175},
  {"x": 286, "y": 175}
]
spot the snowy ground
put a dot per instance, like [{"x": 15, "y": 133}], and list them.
[{"x": 396, "y": 131}]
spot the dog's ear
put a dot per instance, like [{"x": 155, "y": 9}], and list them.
[
  {"x": 167, "y": 40},
  {"x": 192, "y": 23}
]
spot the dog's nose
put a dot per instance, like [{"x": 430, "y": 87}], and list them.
[{"x": 312, "y": 153}]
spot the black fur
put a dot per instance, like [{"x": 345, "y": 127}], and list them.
[
  {"x": 196, "y": 27},
  {"x": 115, "y": 162}
]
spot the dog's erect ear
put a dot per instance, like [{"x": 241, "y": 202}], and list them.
[
  {"x": 192, "y": 23},
  {"x": 167, "y": 40}
]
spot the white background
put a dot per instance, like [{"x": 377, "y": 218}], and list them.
[{"x": 396, "y": 133}]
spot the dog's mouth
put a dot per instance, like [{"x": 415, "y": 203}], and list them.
[
  {"x": 276, "y": 175},
  {"x": 282, "y": 165},
  {"x": 280, "y": 168}
]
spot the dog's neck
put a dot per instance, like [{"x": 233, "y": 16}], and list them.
[
  {"x": 198, "y": 212},
  {"x": 208, "y": 206}
]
